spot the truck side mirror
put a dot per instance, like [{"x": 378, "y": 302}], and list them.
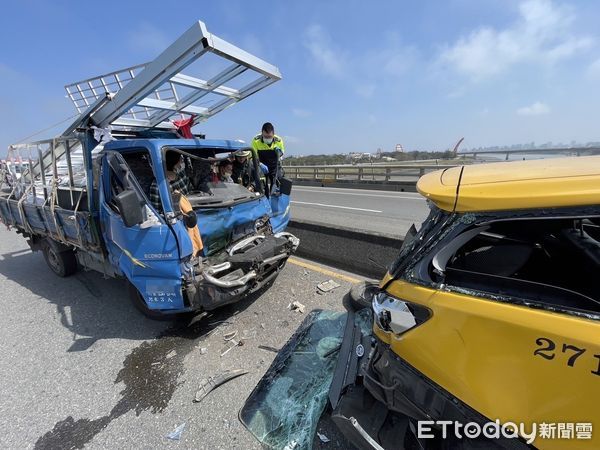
[
  {"x": 129, "y": 206},
  {"x": 190, "y": 219}
]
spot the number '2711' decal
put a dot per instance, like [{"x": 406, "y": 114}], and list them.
[{"x": 547, "y": 350}]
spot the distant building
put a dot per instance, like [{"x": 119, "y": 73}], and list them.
[{"x": 399, "y": 148}]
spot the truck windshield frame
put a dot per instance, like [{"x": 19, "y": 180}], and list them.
[{"x": 211, "y": 158}]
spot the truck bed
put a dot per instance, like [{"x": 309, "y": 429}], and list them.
[{"x": 34, "y": 216}]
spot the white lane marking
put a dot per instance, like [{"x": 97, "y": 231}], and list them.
[
  {"x": 301, "y": 186},
  {"x": 303, "y": 189},
  {"x": 336, "y": 206}
]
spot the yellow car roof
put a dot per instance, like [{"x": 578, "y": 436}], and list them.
[{"x": 541, "y": 183}]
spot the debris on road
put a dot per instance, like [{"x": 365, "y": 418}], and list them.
[
  {"x": 230, "y": 345},
  {"x": 211, "y": 383},
  {"x": 292, "y": 445},
  {"x": 221, "y": 322},
  {"x": 203, "y": 350},
  {"x": 230, "y": 336},
  {"x": 323, "y": 438},
  {"x": 327, "y": 286},
  {"x": 248, "y": 334},
  {"x": 171, "y": 354},
  {"x": 297, "y": 306},
  {"x": 268, "y": 348},
  {"x": 175, "y": 435}
]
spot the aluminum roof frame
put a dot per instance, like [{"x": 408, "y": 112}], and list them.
[{"x": 146, "y": 95}]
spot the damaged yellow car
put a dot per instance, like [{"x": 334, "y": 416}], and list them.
[{"x": 486, "y": 330}]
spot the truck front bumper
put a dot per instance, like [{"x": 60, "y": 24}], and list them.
[{"x": 244, "y": 268}]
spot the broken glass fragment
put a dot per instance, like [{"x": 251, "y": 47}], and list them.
[{"x": 284, "y": 409}]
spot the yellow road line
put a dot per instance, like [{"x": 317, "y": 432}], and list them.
[{"x": 322, "y": 270}]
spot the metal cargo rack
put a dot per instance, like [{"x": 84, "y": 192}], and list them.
[
  {"x": 152, "y": 95},
  {"x": 51, "y": 202},
  {"x": 148, "y": 95},
  {"x": 55, "y": 193}
]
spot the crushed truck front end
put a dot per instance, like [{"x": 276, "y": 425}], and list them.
[{"x": 247, "y": 266}]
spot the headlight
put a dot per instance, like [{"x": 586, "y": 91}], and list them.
[{"x": 397, "y": 316}]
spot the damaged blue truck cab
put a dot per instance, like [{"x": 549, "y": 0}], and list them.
[{"x": 156, "y": 255}]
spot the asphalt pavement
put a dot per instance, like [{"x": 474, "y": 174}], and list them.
[
  {"x": 386, "y": 212},
  {"x": 81, "y": 367}
]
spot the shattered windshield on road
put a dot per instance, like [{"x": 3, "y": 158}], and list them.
[{"x": 284, "y": 409}]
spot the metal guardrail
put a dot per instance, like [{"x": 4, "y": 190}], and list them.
[
  {"x": 395, "y": 172},
  {"x": 566, "y": 151}
]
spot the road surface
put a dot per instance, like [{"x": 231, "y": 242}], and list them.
[
  {"x": 81, "y": 367},
  {"x": 381, "y": 211}
]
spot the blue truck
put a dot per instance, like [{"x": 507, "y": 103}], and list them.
[{"x": 85, "y": 198}]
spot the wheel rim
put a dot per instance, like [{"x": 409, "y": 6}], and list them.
[{"x": 53, "y": 260}]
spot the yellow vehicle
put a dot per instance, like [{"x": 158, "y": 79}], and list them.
[{"x": 486, "y": 330}]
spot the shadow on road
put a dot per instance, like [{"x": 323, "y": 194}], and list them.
[
  {"x": 95, "y": 308},
  {"x": 150, "y": 376}
]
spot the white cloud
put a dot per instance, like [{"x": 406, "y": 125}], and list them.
[
  {"x": 535, "y": 109},
  {"x": 291, "y": 140},
  {"x": 593, "y": 70},
  {"x": 329, "y": 58},
  {"x": 542, "y": 33},
  {"x": 365, "y": 90},
  {"x": 363, "y": 71},
  {"x": 6, "y": 71},
  {"x": 456, "y": 92},
  {"x": 148, "y": 38},
  {"x": 299, "y": 112}
]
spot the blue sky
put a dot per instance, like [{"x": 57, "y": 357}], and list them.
[{"x": 357, "y": 75}]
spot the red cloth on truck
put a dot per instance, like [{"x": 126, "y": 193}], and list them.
[{"x": 184, "y": 127}]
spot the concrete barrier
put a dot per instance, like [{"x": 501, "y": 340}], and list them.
[
  {"x": 395, "y": 186},
  {"x": 364, "y": 253}
]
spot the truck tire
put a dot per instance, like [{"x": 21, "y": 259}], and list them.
[
  {"x": 140, "y": 304},
  {"x": 62, "y": 263}
]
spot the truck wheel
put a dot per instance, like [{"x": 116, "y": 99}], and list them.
[
  {"x": 62, "y": 263},
  {"x": 140, "y": 304}
]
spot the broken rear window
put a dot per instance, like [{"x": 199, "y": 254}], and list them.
[
  {"x": 411, "y": 245},
  {"x": 553, "y": 261}
]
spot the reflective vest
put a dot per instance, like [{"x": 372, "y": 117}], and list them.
[
  {"x": 267, "y": 153},
  {"x": 258, "y": 144}
]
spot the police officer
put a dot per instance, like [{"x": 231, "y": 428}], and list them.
[{"x": 270, "y": 149}]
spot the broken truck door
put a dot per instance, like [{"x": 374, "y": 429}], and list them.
[
  {"x": 280, "y": 201},
  {"x": 145, "y": 251}
]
